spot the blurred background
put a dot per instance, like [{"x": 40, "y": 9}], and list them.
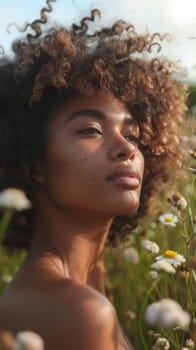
[{"x": 177, "y": 17}]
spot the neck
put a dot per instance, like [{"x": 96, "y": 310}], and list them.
[{"x": 73, "y": 243}]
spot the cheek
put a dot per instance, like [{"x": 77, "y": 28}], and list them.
[
  {"x": 80, "y": 167},
  {"x": 70, "y": 174}
]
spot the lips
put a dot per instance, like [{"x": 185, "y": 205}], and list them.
[{"x": 125, "y": 177}]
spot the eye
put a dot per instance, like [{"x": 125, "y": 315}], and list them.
[
  {"x": 132, "y": 138},
  {"x": 90, "y": 131}
]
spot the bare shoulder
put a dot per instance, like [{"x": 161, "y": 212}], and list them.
[
  {"x": 92, "y": 321},
  {"x": 66, "y": 314}
]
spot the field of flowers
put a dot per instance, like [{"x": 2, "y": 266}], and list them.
[{"x": 151, "y": 279}]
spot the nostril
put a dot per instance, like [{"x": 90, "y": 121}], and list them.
[
  {"x": 125, "y": 155},
  {"x": 123, "y": 150},
  {"x": 121, "y": 155}
]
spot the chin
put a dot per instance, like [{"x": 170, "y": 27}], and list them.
[
  {"x": 131, "y": 210},
  {"x": 125, "y": 208}
]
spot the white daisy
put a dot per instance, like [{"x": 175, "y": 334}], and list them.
[
  {"x": 14, "y": 198},
  {"x": 28, "y": 340},
  {"x": 168, "y": 219},
  {"x": 167, "y": 313},
  {"x": 153, "y": 274},
  {"x": 6, "y": 278},
  {"x": 131, "y": 254},
  {"x": 150, "y": 246},
  {"x": 162, "y": 343},
  {"x": 172, "y": 258},
  {"x": 189, "y": 343},
  {"x": 163, "y": 265}
]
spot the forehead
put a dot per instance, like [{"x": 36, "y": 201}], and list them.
[{"x": 108, "y": 104}]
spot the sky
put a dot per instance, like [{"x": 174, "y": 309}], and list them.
[{"x": 177, "y": 17}]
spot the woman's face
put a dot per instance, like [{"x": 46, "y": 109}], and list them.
[{"x": 92, "y": 159}]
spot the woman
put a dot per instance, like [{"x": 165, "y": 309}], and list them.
[{"x": 81, "y": 113}]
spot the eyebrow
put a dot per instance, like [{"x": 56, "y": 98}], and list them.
[{"x": 98, "y": 115}]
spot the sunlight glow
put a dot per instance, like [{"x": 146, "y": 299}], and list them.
[{"x": 182, "y": 10}]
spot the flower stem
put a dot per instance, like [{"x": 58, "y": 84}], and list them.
[
  {"x": 191, "y": 220},
  {"x": 141, "y": 314},
  {"x": 5, "y": 220}
]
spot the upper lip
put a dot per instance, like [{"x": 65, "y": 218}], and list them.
[{"x": 124, "y": 172}]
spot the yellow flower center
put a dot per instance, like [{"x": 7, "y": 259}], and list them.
[
  {"x": 194, "y": 153},
  {"x": 170, "y": 254},
  {"x": 169, "y": 219}
]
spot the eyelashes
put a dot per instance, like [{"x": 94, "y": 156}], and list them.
[
  {"x": 89, "y": 131},
  {"x": 94, "y": 131},
  {"x": 133, "y": 138}
]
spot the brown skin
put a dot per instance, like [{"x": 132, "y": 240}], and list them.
[{"x": 74, "y": 204}]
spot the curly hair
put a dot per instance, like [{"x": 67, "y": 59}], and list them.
[{"x": 49, "y": 66}]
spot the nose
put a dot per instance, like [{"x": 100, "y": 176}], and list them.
[{"x": 122, "y": 149}]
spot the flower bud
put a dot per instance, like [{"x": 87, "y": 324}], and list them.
[
  {"x": 192, "y": 152},
  {"x": 177, "y": 200}
]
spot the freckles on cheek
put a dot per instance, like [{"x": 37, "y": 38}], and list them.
[{"x": 84, "y": 169}]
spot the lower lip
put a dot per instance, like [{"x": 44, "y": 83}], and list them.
[{"x": 128, "y": 182}]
